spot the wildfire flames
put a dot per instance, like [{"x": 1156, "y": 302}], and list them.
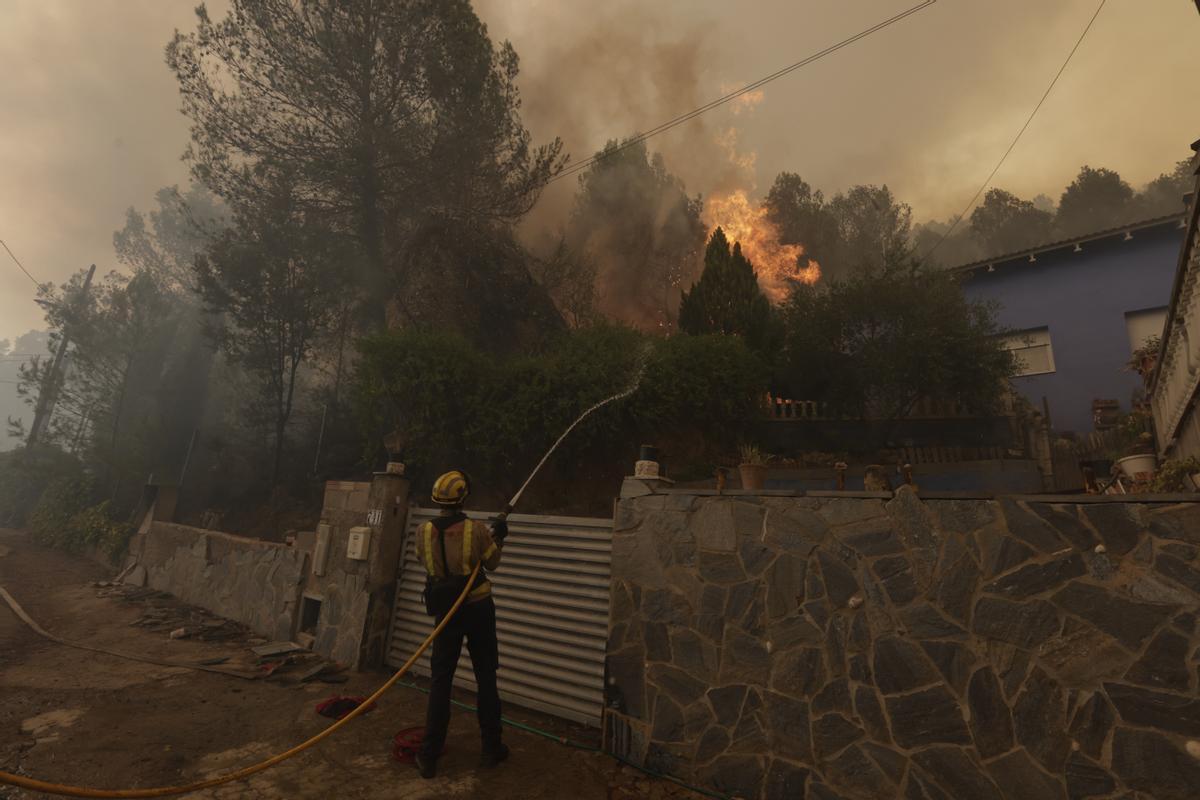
[{"x": 776, "y": 264}]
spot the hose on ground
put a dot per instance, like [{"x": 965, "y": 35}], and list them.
[
  {"x": 166, "y": 791},
  {"x": 159, "y": 662}
]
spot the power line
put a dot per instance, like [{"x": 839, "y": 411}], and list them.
[
  {"x": 20, "y": 265},
  {"x": 666, "y": 126},
  {"x": 1021, "y": 132}
]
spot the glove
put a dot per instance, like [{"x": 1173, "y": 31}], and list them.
[{"x": 500, "y": 531}]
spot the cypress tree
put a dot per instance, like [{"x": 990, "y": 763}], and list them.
[{"x": 727, "y": 298}]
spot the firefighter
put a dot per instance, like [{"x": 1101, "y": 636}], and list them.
[{"x": 450, "y": 547}]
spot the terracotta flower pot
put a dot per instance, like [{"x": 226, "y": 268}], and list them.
[{"x": 754, "y": 476}]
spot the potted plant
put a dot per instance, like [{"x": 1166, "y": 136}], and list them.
[
  {"x": 1177, "y": 476},
  {"x": 1143, "y": 359},
  {"x": 753, "y": 468},
  {"x": 1138, "y": 464}
]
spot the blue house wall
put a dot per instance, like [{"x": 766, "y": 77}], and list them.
[{"x": 1082, "y": 298}]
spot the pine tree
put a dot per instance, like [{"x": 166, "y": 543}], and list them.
[{"x": 727, "y": 298}]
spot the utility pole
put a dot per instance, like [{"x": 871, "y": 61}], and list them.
[{"x": 48, "y": 394}]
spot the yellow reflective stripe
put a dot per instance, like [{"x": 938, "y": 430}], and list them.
[
  {"x": 466, "y": 558},
  {"x": 427, "y": 529},
  {"x": 491, "y": 551},
  {"x": 481, "y": 590}
]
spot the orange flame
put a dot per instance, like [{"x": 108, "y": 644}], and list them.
[{"x": 776, "y": 264}]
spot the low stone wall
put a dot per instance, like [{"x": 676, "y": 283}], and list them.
[
  {"x": 253, "y": 582},
  {"x": 877, "y": 647},
  {"x": 264, "y": 585}
]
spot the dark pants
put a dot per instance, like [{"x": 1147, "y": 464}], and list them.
[{"x": 477, "y": 622}]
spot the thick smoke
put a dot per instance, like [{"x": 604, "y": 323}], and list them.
[{"x": 629, "y": 69}]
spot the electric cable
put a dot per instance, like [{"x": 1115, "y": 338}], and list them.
[
  {"x": 1017, "y": 138},
  {"x": 750, "y": 87},
  {"x": 20, "y": 265}
]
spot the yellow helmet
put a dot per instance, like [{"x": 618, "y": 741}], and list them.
[{"x": 451, "y": 489}]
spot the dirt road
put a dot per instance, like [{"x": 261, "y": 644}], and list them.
[{"x": 75, "y": 717}]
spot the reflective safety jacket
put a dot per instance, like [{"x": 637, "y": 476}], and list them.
[{"x": 467, "y": 543}]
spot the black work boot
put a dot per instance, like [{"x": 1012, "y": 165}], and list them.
[
  {"x": 492, "y": 756},
  {"x": 426, "y": 765}
]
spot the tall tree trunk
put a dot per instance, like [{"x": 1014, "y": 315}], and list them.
[
  {"x": 337, "y": 380},
  {"x": 114, "y": 473},
  {"x": 283, "y": 414}
]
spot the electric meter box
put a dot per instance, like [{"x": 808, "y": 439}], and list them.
[{"x": 359, "y": 543}]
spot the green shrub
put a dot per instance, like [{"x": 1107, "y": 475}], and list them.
[
  {"x": 96, "y": 528},
  {"x": 63, "y": 519},
  {"x": 497, "y": 417},
  {"x": 25, "y": 476},
  {"x": 50, "y": 520}
]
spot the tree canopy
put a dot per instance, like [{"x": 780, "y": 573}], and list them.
[
  {"x": 875, "y": 345},
  {"x": 386, "y": 113},
  {"x": 1164, "y": 194},
  {"x": 635, "y": 225},
  {"x": 802, "y": 217},
  {"x": 166, "y": 245},
  {"x": 1005, "y": 222},
  {"x": 271, "y": 280},
  {"x": 864, "y": 229},
  {"x": 1095, "y": 200}
]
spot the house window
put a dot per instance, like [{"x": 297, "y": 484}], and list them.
[
  {"x": 1032, "y": 350},
  {"x": 1141, "y": 325}
]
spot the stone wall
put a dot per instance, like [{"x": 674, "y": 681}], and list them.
[
  {"x": 879, "y": 647},
  {"x": 357, "y": 596},
  {"x": 264, "y": 584},
  {"x": 253, "y": 582}
]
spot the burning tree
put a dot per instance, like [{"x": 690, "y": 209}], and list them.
[
  {"x": 864, "y": 229},
  {"x": 727, "y": 298},
  {"x": 778, "y": 266}
]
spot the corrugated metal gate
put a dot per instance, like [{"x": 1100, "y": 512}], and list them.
[{"x": 551, "y": 593}]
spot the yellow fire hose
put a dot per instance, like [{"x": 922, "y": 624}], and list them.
[{"x": 165, "y": 791}]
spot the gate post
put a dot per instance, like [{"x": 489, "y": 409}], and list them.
[{"x": 387, "y": 516}]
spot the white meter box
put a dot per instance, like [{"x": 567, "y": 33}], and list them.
[{"x": 359, "y": 544}]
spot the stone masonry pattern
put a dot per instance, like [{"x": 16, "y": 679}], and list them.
[
  {"x": 256, "y": 583},
  {"x": 850, "y": 647}
]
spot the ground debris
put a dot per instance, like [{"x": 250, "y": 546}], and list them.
[
  {"x": 313, "y": 672},
  {"x": 163, "y": 613},
  {"x": 275, "y": 649}
]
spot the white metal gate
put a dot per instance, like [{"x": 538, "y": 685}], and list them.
[{"x": 551, "y": 592}]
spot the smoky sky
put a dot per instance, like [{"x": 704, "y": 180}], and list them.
[{"x": 89, "y": 121}]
